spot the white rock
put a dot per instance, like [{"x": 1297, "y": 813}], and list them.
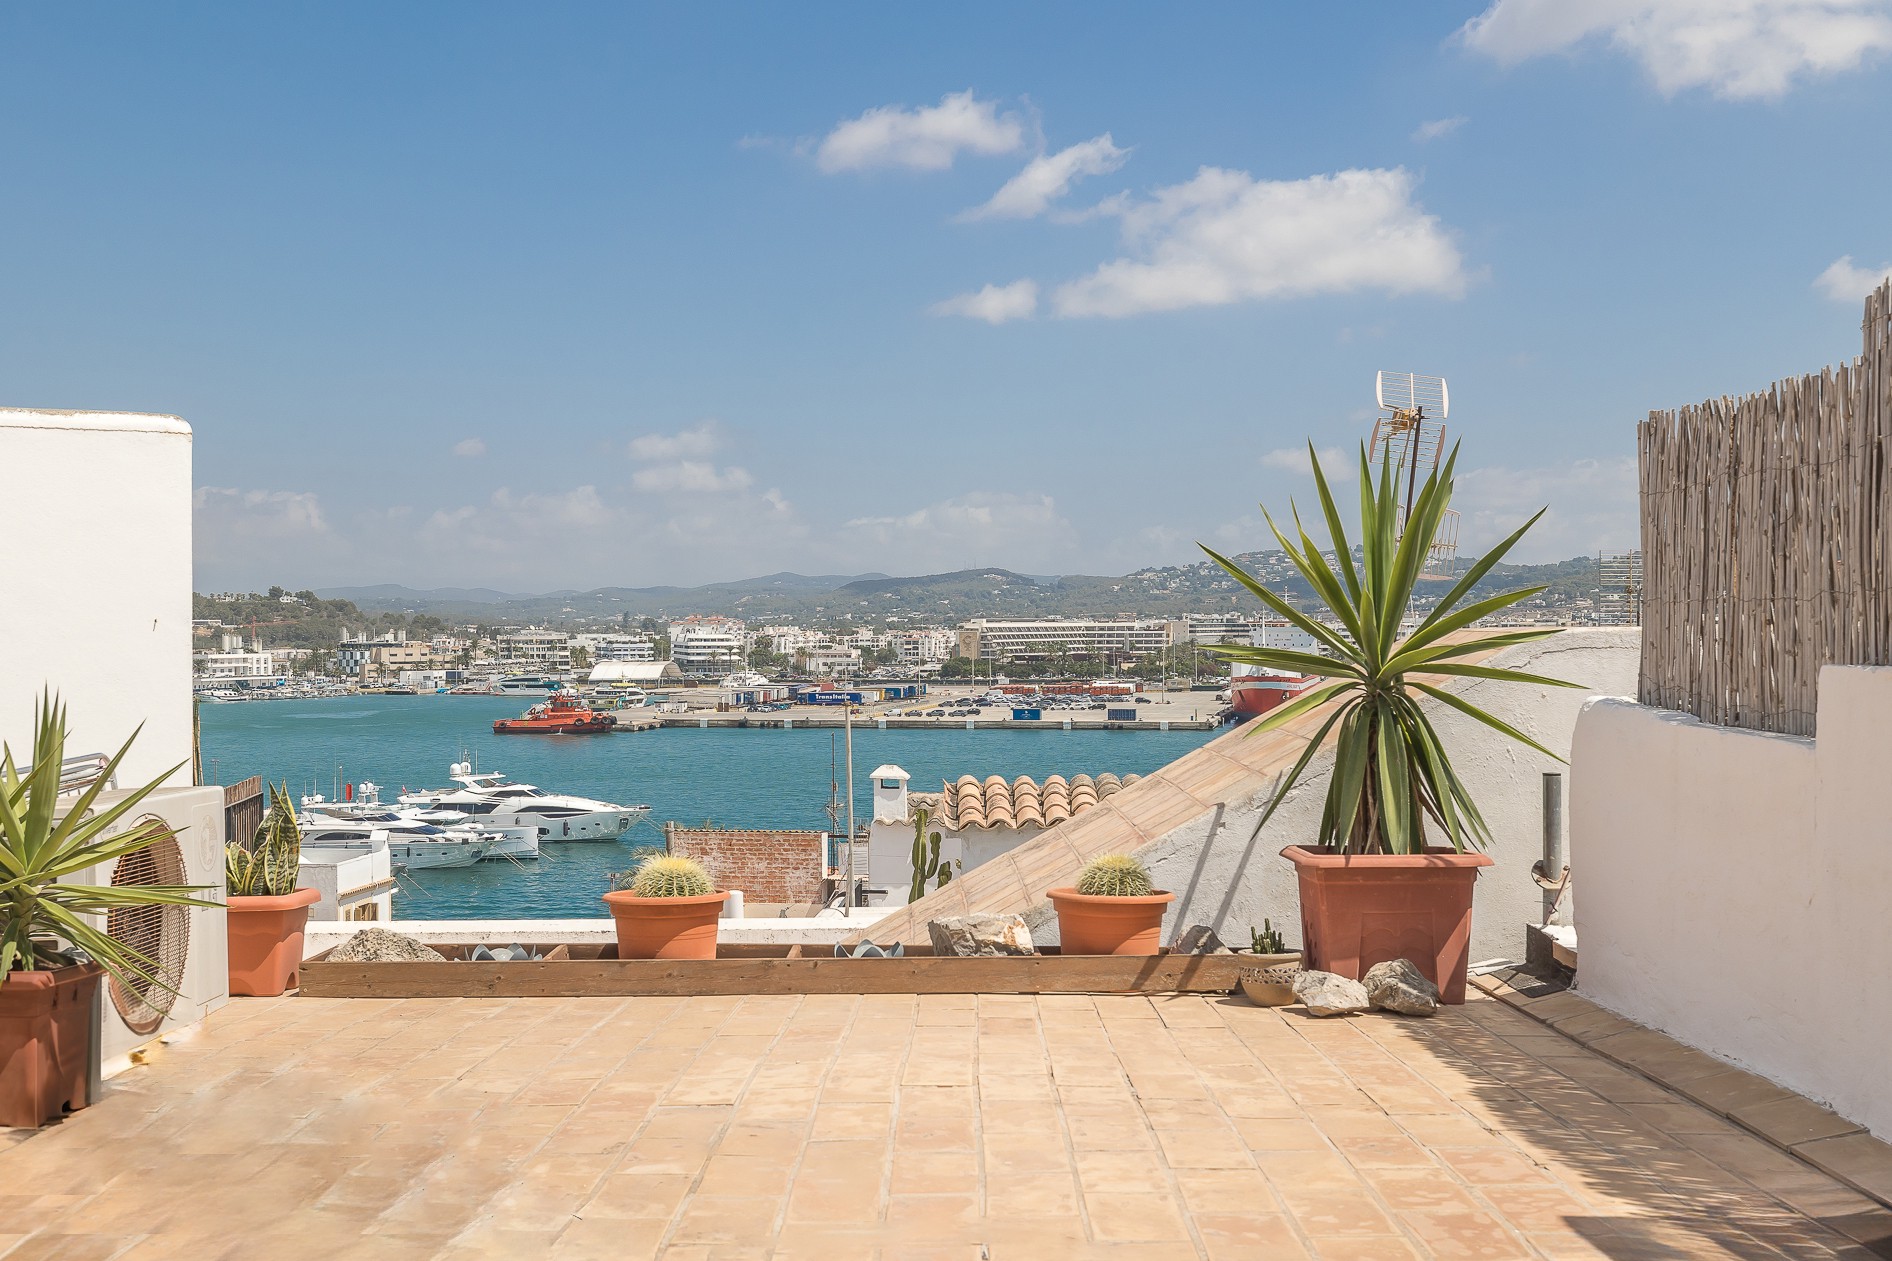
[
  {"x": 980, "y": 935},
  {"x": 1398, "y": 985},
  {"x": 1327, "y": 994}
]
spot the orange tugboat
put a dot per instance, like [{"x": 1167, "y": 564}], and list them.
[{"x": 560, "y": 714}]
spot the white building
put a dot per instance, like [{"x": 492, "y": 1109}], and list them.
[
  {"x": 931, "y": 643},
  {"x": 536, "y": 648},
  {"x": 786, "y": 641},
  {"x": 709, "y": 645},
  {"x": 828, "y": 659},
  {"x": 238, "y": 666},
  {"x": 989, "y": 639},
  {"x": 616, "y": 647}
]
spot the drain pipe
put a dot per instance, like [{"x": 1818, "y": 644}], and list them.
[{"x": 1553, "y": 861}]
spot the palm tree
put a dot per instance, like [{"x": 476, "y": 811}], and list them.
[{"x": 1391, "y": 772}]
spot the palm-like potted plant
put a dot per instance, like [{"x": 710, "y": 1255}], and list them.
[
  {"x": 665, "y": 908},
  {"x": 267, "y": 912},
  {"x": 52, "y": 951},
  {"x": 1372, "y": 887},
  {"x": 1114, "y": 909}
]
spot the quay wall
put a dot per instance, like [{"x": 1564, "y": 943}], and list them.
[{"x": 1732, "y": 886}]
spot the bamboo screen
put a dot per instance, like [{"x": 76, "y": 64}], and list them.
[{"x": 1765, "y": 541}]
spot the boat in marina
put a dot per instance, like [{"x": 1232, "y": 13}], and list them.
[
  {"x": 492, "y": 800},
  {"x": 411, "y": 846},
  {"x": 365, "y": 806},
  {"x": 561, "y": 714},
  {"x": 523, "y": 685}
]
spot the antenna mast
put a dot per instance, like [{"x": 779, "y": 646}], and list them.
[{"x": 1410, "y": 433}]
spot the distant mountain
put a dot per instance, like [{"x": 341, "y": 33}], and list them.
[{"x": 946, "y": 598}]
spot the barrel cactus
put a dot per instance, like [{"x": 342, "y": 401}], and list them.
[
  {"x": 1115, "y": 876},
  {"x": 665, "y": 876},
  {"x": 271, "y": 863}
]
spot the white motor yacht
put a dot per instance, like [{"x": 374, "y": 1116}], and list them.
[
  {"x": 491, "y": 800},
  {"x": 411, "y": 846},
  {"x": 524, "y": 685}
]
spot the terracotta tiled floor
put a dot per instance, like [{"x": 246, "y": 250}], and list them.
[{"x": 898, "y": 1127}]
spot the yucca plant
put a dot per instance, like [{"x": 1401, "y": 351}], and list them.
[
  {"x": 45, "y": 839},
  {"x": 271, "y": 863},
  {"x": 664, "y": 876},
  {"x": 1115, "y": 876},
  {"x": 1391, "y": 772}
]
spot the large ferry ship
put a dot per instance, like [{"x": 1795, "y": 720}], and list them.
[{"x": 1254, "y": 690}]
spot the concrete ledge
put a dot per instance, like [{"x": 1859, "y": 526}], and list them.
[
  {"x": 1790, "y": 1122},
  {"x": 824, "y": 929}
]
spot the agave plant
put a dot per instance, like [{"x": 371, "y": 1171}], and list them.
[
  {"x": 1391, "y": 772},
  {"x": 45, "y": 839},
  {"x": 271, "y": 863}
]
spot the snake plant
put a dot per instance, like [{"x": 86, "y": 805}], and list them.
[
  {"x": 271, "y": 863},
  {"x": 1391, "y": 771},
  {"x": 46, "y": 916}
]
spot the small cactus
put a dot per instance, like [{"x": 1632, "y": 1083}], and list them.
[
  {"x": 1115, "y": 876},
  {"x": 664, "y": 876},
  {"x": 1267, "y": 939}
]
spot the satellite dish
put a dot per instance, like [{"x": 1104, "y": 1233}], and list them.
[{"x": 1410, "y": 396}]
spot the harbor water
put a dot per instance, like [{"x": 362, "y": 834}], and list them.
[{"x": 725, "y": 777}]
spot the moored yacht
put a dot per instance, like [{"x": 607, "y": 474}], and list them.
[
  {"x": 492, "y": 800},
  {"x": 524, "y": 685},
  {"x": 411, "y": 846}
]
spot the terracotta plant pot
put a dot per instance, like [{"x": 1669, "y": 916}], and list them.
[
  {"x": 1269, "y": 980},
  {"x": 1361, "y": 909},
  {"x": 46, "y": 1043},
  {"x": 265, "y": 936},
  {"x": 665, "y": 928},
  {"x": 1089, "y": 925}
]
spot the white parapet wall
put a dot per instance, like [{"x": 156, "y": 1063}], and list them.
[
  {"x": 1732, "y": 886},
  {"x": 95, "y": 517},
  {"x": 820, "y": 931}
]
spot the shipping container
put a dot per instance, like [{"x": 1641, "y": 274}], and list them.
[
  {"x": 1120, "y": 715},
  {"x": 1027, "y": 715}
]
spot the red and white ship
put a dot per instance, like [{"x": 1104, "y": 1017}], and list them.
[
  {"x": 1254, "y": 690},
  {"x": 561, "y": 714}
]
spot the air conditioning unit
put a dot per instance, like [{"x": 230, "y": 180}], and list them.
[{"x": 187, "y": 942}]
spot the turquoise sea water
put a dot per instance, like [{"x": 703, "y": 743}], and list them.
[{"x": 736, "y": 778}]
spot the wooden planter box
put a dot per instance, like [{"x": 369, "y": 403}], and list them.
[{"x": 577, "y": 971}]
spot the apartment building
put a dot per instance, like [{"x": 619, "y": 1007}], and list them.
[
  {"x": 709, "y": 645},
  {"x": 617, "y": 647},
  {"x": 990, "y": 639},
  {"x": 536, "y": 648},
  {"x": 931, "y": 643}
]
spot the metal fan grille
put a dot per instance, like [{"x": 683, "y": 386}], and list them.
[{"x": 160, "y": 933}]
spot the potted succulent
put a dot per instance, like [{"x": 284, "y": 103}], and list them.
[
  {"x": 1372, "y": 887},
  {"x": 267, "y": 912},
  {"x": 1269, "y": 981},
  {"x": 52, "y": 953},
  {"x": 1112, "y": 910},
  {"x": 666, "y": 908}
]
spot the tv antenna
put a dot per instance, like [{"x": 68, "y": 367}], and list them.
[{"x": 1410, "y": 433}]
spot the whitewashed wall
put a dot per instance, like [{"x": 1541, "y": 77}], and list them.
[
  {"x": 95, "y": 517},
  {"x": 1734, "y": 886},
  {"x": 1225, "y": 879}
]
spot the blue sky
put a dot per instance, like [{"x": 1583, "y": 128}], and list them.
[{"x": 547, "y": 296}]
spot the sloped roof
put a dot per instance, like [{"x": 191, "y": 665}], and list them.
[{"x": 993, "y": 802}]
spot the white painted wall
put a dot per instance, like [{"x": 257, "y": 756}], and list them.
[
  {"x": 1733, "y": 886},
  {"x": 1226, "y": 877},
  {"x": 95, "y": 517}
]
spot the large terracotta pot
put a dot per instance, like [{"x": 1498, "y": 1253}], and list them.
[
  {"x": 1361, "y": 909},
  {"x": 46, "y": 1043},
  {"x": 1091, "y": 925},
  {"x": 665, "y": 928},
  {"x": 266, "y": 942}
]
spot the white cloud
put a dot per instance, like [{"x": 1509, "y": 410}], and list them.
[
  {"x": 979, "y": 528},
  {"x": 924, "y": 139},
  {"x": 272, "y": 512},
  {"x": 1438, "y": 128},
  {"x": 697, "y": 441},
  {"x": 1844, "y": 282},
  {"x": 251, "y": 538},
  {"x": 1226, "y": 236},
  {"x": 1592, "y": 505},
  {"x": 1737, "y": 49},
  {"x": 1048, "y": 177},
  {"x": 691, "y": 476},
  {"x": 470, "y": 447},
  {"x": 995, "y": 304},
  {"x": 1335, "y": 463}
]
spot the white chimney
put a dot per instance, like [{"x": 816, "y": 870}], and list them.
[{"x": 890, "y": 794}]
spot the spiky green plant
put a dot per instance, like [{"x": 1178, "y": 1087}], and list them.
[
  {"x": 1115, "y": 876},
  {"x": 271, "y": 863},
  {"x": 1391, "y": 772},
  {"x": 1267, "y": 940},
  {"x": 927, "y": 864},
  {"x": 665, "y": 876},
  {"x": 45, "y": 838}
]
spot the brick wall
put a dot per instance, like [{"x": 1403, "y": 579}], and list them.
[{"x": 768, "y": 866}]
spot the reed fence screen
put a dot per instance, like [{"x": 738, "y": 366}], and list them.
[{"x": 1765, "y": 541}]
